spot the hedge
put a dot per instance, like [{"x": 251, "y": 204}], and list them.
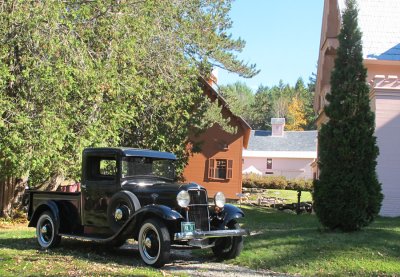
[{"x": 276, "y": 182}]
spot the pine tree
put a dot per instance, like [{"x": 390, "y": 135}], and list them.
[{"x": 348, "y": 195}]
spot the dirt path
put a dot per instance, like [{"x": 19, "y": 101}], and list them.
[{"x": 184, "y": 263}]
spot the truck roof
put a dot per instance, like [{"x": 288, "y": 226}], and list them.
[{"x": 130, "y": 152}]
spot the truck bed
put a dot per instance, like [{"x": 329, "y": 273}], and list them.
[{"x": 67, "y": 202}]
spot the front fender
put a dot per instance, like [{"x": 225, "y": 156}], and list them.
[
  {"x": 161, "y": 211},
  {"x": 48, "y": 205},
  {"x": 229, "y": 213},
  {"x": 132, "y": 226}
]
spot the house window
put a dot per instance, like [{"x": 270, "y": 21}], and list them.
[
  {"x": 269, "y": 163},
  {"x": 220, "y": 168}
]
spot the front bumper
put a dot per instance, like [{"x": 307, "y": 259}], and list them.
[{"x": 211, "y": 234}]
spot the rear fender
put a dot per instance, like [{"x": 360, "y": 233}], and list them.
[{"x": 42, "y": 207}]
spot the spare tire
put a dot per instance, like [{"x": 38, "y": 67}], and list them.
[{"x": 122, "y": 205}]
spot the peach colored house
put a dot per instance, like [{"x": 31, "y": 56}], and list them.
[
  {"x": 218, "y": 166},
  {"x": 280, "y": 153},
  {"x": 379, "y": 21}
]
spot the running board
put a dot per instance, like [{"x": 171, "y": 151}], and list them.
[{"x": 99, "y": 240}]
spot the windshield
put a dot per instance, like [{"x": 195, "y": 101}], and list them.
[{"x": 139, "y": 166}]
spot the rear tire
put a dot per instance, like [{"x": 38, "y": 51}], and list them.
[
  {"x": 154, "y": 243},
  {"x": 228, "y": 247},
  {"x": 46, "y": 231}
]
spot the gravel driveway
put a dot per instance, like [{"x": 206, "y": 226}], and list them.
[{"x": 184, "y": 263}]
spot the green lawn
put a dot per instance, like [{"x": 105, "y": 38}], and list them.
[
  {"x": 20, "y": 256},
  {"x": 284, "y": 243},
  {"x": 296, "y": 244}
]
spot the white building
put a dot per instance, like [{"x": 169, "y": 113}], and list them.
[{"x": 281, "y": 153}]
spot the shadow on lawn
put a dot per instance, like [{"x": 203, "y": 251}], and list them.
[{"x": 126, "y": 255}]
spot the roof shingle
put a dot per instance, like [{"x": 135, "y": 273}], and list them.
[
  {"x": 379, "y": 21},
  {"x": 261, "y": 140}
]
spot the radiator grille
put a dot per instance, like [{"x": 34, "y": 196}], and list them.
[{"x": 198, "y": 210}]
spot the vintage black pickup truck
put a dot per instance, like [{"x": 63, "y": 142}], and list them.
[{"x": 131, "y": 193}]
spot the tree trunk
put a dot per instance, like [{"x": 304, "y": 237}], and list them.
[{"x": 12, "y": 190}]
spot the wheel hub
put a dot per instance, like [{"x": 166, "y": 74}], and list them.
[
  {"x": 118, "y": 214},
  {"x": 44, "y": 230},
  {"x": 147, "y": 242}
]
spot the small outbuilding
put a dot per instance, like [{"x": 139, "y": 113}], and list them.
[{"x": 281, "y": 153}]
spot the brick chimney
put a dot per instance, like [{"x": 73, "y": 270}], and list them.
[
  {"x": 278, "y": 126},
  {"x": 213, "y": 77}
]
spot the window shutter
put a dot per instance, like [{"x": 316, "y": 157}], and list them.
[
  {"x": 211, "y": 168},
  {"x": 229, "y": 169}
]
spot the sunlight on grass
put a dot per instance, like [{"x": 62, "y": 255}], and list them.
[
  {"x": 20, "y": 256},
  {"x": 297, "y": 244},
  {"x": 294, "y": 244}
]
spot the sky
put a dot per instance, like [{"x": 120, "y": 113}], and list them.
[{"x": 282, "y": 39}]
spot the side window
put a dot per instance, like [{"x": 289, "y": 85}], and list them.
[
  {"x": 108, "y": 167},
  {"x": 101, "y": 168}
]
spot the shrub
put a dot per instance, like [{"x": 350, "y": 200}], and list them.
[
  {"x": 276, "y": 182},
  {"x": 348, "y": 195}
]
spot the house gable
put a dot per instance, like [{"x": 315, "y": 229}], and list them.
[
  {"x": 379, "y": 21},
  {"x": 218, "y": 165}
]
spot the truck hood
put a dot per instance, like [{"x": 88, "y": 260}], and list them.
[{"x": 155, "y": 191}]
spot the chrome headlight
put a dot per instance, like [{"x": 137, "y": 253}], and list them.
[
  {"x": 219, "y": 199},
  {"x": 183, "y": 198}
]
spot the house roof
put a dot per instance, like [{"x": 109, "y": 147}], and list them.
[
  {"x": 300, "y": 141},
  {"x": 379, "y": 21},
  {"x": 243, "y": 123}
]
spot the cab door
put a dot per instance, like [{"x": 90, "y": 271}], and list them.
[{"x": 99, "y": 184}]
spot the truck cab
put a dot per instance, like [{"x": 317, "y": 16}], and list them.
[{"x": 133, "y": 193}]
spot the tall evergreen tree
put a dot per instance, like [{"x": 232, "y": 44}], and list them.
[{"x": 348, "y": 195}]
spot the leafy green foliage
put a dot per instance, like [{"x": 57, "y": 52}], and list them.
[
  {"x": 276, "y": 182},
  {"x": 348, "y": 195},
  {"x": 293, "y": 103},
  {"x": 75, "y": 74}
]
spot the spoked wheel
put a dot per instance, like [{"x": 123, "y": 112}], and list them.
[
  {"x": 154, "y": 243},
  {"x": 228, "y": 247},
  {"x": 46, "y": 233}
]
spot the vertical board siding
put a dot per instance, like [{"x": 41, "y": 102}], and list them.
[
  {"x": 197, "y": 169},
  {"x": 388, "y": 137},
  {"x": 287, "y": 167}
]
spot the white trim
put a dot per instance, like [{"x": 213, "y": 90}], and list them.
[{"x": 279, "y": 154}]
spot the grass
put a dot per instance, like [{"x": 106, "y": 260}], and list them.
[
  {"x": 294, "y": 244},
  {"x": 297, "y": 245},
  {"x": 20, "y": 256}
]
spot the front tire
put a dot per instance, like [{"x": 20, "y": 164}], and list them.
[
  {"x": 46, "y": 231},
  {"x": 154, "y": 243},
  {"x": 228, "y": 247},
  {"x": 122, "y": 206}
]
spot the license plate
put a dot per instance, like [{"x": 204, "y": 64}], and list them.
[{"x": 187, "y": 227}]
